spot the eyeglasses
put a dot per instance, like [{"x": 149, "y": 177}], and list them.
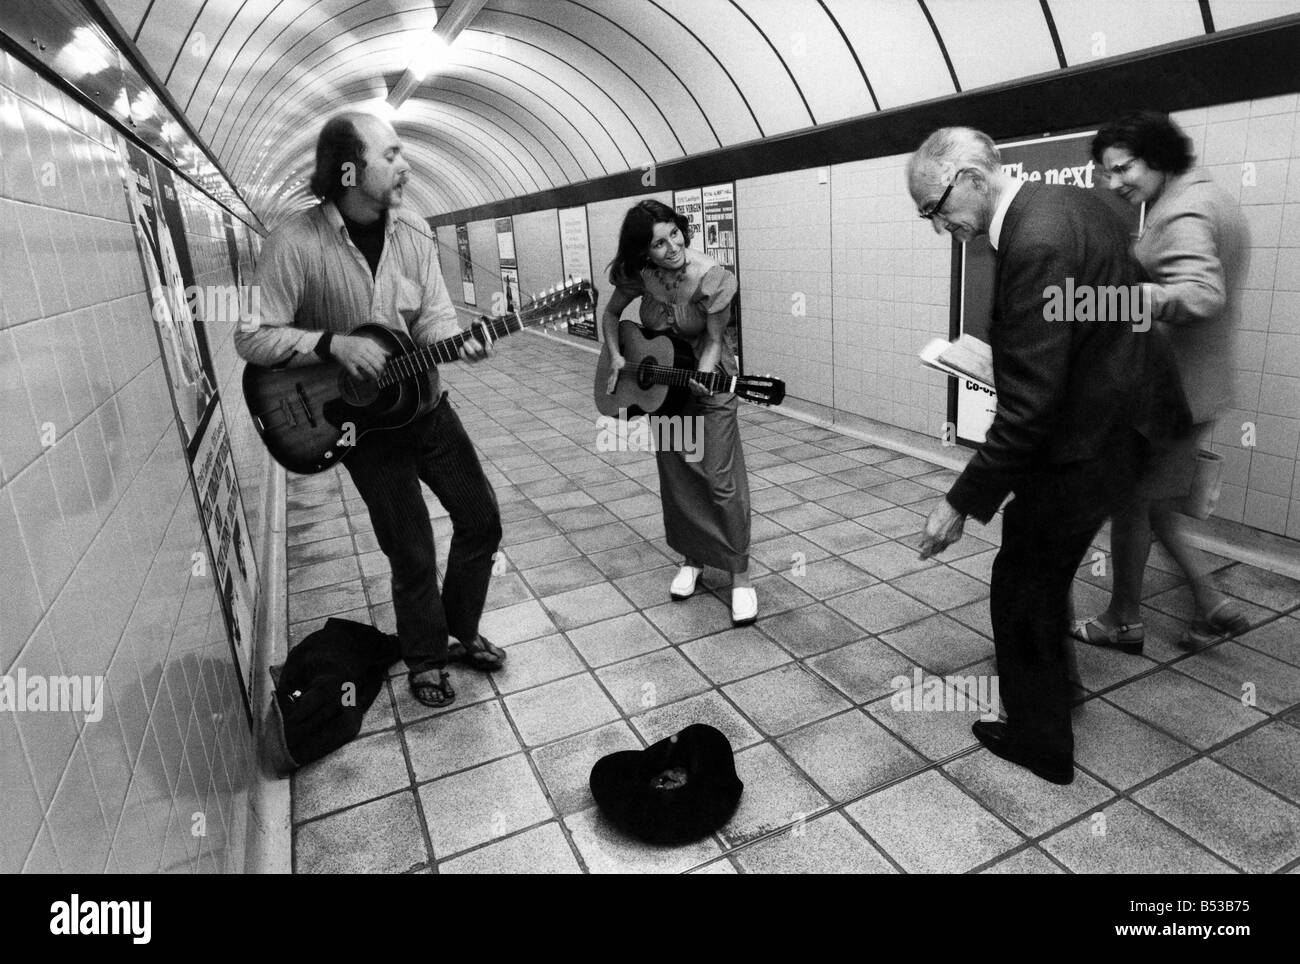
[{"x": 930, "y": 213}]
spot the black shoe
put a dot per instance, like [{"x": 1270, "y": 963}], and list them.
[{"x": 997, "y": 740}]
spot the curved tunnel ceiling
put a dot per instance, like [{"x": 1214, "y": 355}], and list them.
[{"x": 539, "y": 94}]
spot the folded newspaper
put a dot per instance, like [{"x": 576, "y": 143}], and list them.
[{"x": 967, "y": 357}]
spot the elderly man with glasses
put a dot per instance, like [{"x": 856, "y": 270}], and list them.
[{"x": 1076, "y": 406}]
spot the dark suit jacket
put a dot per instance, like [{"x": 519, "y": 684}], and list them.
[{"x": 1067, "y": 390}]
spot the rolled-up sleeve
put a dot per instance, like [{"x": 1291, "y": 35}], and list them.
[{"x": 266, "y": 335}]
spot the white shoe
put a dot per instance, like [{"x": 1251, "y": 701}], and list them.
[
  {"x": 683, "y": 586},
  {"x": 744, "y": 606}
]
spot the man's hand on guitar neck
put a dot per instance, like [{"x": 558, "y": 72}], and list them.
[
  {"x": 472, "y": 350},
  {"x": 359, "y": 356}
]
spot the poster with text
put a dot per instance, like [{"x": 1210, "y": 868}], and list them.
[
  {"x": 1062, "y": 159},
  {"x": 508, "y": 265},
  {"x": 184, "y": 350},
  {"x": 466, "y": 265},
  {"x": 690, "y": 204},
  {"x": 719, "y": 212},
  {"x": 575, "y": 260},
  {"x": 222, "y": 510}
]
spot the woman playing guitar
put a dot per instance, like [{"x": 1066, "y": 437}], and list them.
[{"x": 688, "y": 294}]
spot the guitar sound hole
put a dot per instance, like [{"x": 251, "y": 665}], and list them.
[
  {"x": 359, "y": 392},
  {"x": 644, "y": 377}
]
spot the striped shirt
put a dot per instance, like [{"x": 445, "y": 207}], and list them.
[{"x": 312, "y": 278}]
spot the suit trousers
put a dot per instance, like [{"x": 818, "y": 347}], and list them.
[
  {"x": 1046, "y": 530},
  {"x": 387, "y": 468}
]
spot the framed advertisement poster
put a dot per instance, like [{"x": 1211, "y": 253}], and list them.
[
  {"x": 509, "y": 266},
  {"x": 575, "y": 261},
  {"x": 690, "y": 204},
  {"x": 466, "y": 265}
]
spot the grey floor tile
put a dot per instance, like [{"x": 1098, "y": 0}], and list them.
[
  {"x": 655, "y": 679},
  {"x": 1240, "y": 822},
  {"x": 488, "y": 802},
  {"x": 783, "y": 698},
  {"x": 889, "y": 560},
  {"x": 818, "y": 488},
  {"x": 579, "y": 607},
  {"x": 942, "y": 587},
  {"x": 542, "y": 850},
  {"x": 459, "y": 740},
  {"x": 1179, "y": 603},
  {"x": 616, "y": 639},
  {"x": 1027, "y": 802},
  {"x": 1120, "y": 749},
  {"x": 734, "y": 653},
  {"x": 327, "y": 601},
  {"x": 1185, "y": 708},
  {"x": 1246, "y": 675},
  {"x": 1100, "y": 668},
  {"x": 862, "y": 670},
  {"x": 975, "y": 615},
  {"x": 710, "y": 708},
  {"x": 854, "y": 504},
  {"x": 526, "y": 530},
  {"x": 380, "y": 837},
  {"x": 776, "y": 594},
  {"x": 649, "y": 588},
  {"x": 514, "y": 624},
  {"x": 880, "y": 608},
  {"x": 558, "y": 577},
  {"x": 508, "y": 589},
  {"x": 1270, "y": 755},
  {"x": 537, "y": 661},
  {"x": 843, "y": 536},
  {"x": 540, "y": 552},
  {"x": 1124, "y": 839},
  {"x": 979, "y": 565},
  {"x": 604, "y": 537},
  {"x": 558, "y": 709},
  {"x": 773, "y": 498},
  {"x": 810, "y": 630},
  {"x": 828, "y": 577},
  {"x": 380, "y": 716},
  {"x": 329, "y": 572},
  {"x": 366, "y": 768},
  {"x": 849, "y": 754},
  {"x": 935, "y": 734},
  {"x": 1273, "y": 590},
  {"x": 566, "y": 765},
  {"x": 606, "y": 850},
  {"x": 776, "y": 795},
  {"x": 782, "y": 553},
  {"x": 1279, "y": 638},
  {"x": 939, "y": 644},
  {"x": 827, "y": 845},
  {"x": 698, "y": 616},
  {"x": 628, "y": 560},
  {"x": 470, "y": 685},
  {"x": 928, "y": 825}
]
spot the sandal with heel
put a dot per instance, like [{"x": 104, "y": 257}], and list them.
[{"x": 1126, "y": 637}]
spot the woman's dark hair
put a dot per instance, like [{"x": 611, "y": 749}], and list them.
[
  {"x": 635, "y": 236},
  {"x": 339, "y": 143},
  {"x": 1148, "y": 135}
]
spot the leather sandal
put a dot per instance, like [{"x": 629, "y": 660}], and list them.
[
  {"x": 1126, "y": 637},
  {"x": 429, "y": 693},
  {"x": 481, "y": 655},
  {"x": 1224, "y": 621}
]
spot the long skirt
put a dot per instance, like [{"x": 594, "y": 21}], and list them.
[{"x": 705, "y": 492}]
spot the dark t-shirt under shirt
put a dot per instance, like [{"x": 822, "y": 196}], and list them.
[{"x": 369, "y": 239}]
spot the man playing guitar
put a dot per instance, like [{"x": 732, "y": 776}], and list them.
[{"x": 356, "y": 259}]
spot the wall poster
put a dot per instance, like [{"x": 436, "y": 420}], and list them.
[
  {"x": 575, "y": 262},
  {"x": 509, "y": 265},
  {"x": 690, "y": 204},
  {"x": 169, "y": 280},
  {"x": 466, "y": 265}
]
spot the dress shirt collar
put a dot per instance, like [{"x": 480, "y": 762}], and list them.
[
  {"x": 334, "y": 219},
  {"x": 1000, "y": 214}
]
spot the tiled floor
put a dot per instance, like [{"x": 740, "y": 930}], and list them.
[{"x": 1188, "y": 762}]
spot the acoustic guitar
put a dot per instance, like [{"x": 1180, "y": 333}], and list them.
[
  {"x": 657, "y": 376},
  {"x": 312, "y": 416}
]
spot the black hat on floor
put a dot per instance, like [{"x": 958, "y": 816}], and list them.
[{"x": 680, "y": 789}]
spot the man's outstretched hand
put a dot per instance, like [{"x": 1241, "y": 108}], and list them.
[{"x": 942, "y": 529}]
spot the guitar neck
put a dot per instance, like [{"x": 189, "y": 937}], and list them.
[{"x": 682, "y": 377}]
